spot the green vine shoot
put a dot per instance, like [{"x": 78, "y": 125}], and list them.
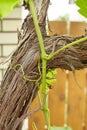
[{"x": 44, "y": 63}]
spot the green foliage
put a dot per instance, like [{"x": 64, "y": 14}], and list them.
[
  {"x": 82, "y": 4},
  {"x": 50, "y": 77},
  {"x": 27, "y": 1},
  {"x": 60, "y": 128},
  {"x": 6, "y": 6}
]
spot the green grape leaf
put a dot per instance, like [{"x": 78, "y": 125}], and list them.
[
  {"x": 6, "y": 6},
  {"x": 82, "y": 4},
  {"x": 27, "y": 1},
  {"x": 50, "y": 77},
  {"x": 60, "y": 128}
]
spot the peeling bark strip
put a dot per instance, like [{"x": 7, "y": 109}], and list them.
[{"x": 19, "y": 87}]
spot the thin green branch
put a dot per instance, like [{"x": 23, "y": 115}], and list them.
[
  {"x": 50, "y": 56},
  {"x": 37, "y": 28},
  {"x": 26, "y": 78},
  {"x": 39, "y": 98},
  {"x": 44, "y": 63},
  {"x": 45, "y": 95}
]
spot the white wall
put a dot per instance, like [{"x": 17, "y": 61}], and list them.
[
  {"x": 8, "y": 36},
  {"x": 61, "y": 8}
]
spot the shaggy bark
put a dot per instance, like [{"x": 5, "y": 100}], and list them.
[{"x": 17, "y": 89}]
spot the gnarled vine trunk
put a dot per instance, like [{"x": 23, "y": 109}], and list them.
[{"x": 20, "y": 83}]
